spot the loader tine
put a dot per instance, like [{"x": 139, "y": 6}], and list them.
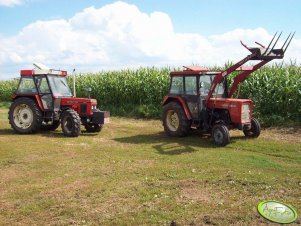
[
  {"x": 260, "y": 44},
  {"x": 289, "y": 42},
  {"x": 270, "y": 43},
  {"x": 286, "y": 40},
  {"x": 275, "y": 43}
]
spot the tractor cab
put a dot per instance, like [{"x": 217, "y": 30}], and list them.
[
  {"x": 50, "y": 86},
  {"x": 43, "y": 100},
  {"x": 193, "y": 84}
]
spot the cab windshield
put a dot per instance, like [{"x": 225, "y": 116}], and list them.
[
  {"x": 205, "y": 85},
  {"x": 59, "y": 86},
  {"x": 187, "y": 85}
]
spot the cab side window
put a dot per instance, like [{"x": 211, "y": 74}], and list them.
[
  {"x": 177, "y": 85},
  {"x": 42, "y": 85},
  {"x": 205, "y": 84},
  {"x": 27, "y": 86},
  {"x": 190, "y": 85}
]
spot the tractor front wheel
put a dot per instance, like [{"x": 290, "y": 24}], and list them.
[
  {"x": 70, "y": 123},
  {"x": 25, "y": 116},
  {"x": 255, "y": 129},
  {"x": 175, "y": 121},
  {"x": 220, "y": 135},
  {"x": 93, "y": 128}
]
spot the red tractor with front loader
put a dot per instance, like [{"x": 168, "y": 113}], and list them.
[
  {"x": 200, "y": 98},
  {"x": 43, "y": 101}
]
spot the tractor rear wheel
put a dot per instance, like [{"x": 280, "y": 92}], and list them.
[
  {"x": 93, "y": 128},
  {"x": 220, "y": 135},
  {"x": 175, "y": 121},
  {"x": 70, "y": 123},
  {"x": 255, "y": 129},
  {"x": 50, "y": 127},
  {"x": 25, "y": 116}
]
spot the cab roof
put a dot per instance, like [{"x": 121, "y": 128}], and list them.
[
  {"x": 193, "y": 70},
  {"x": 197, "y": 70},
  {"x": 43, "y": 72}
]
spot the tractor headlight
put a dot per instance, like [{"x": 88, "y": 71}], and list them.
[{"x": 245, "y": 113}]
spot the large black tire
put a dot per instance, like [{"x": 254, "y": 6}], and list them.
[
  {"x": 220, "y": 135},
  {"x": 70, "y": 123},
  {"x": 50, "y": 127},
  {"x": 175, "y": 121},
  {"x": 93, "y": 128},
  {"x": 255, "y": 129},
  {"x": 25, "y": 116}
]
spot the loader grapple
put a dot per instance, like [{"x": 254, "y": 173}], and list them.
[
  {"x": 270, "y": 52},
  {"x": 262, "y": 54}
]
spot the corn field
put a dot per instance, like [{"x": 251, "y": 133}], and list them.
[{"x": 275, "y": 91}]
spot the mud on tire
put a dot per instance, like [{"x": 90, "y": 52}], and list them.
[
  {"x": 93, "y": 128},
  {"x": 50, "y": 127},
  {"x": 25, "y": 116},
  {"x": 255, "y": 129},
  {"x": 70, "y": 123},
  {"x": 175, "y": 121}
]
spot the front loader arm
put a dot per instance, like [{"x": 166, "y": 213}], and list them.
[
  {"x": 261, "y": 53},
  {"x": 220, "y": 77},
  {"x": 244, "y": 74}
]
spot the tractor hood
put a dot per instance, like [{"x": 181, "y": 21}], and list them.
[
  {"x": 227, "y": 103},
  {"x": 240, "y": 110},
  {"x": 76, "y": 100}
]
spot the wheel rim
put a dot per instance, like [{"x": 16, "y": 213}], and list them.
[
  {"x": 218, "y": 136},
  {"x": 172, "y": 120},
  {"x": 23, "y": 116}
]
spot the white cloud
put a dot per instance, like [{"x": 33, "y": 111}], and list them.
[
  {"x": 11, "y": 3},
  {"x": 119, "y": 35}
]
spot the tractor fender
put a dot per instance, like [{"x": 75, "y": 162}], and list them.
[
  {"x": 39, "y": 101},
  {"x": 180, "y": 100},
  {"x": 33, "y": 97}
]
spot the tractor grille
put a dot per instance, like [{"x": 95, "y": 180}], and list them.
[
  {"x": 245, "y": 113},
  {"x": 83, "y": 108}
]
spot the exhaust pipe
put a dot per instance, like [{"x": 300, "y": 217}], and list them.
[{"x": 74, "y": 91}]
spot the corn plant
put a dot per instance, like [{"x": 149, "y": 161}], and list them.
[
  {"x": 7, "y": 88},
  {"x": 275, "y": 91}
]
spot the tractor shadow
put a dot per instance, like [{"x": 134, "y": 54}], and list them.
[
  {"x": 60, "y": 134},
  {"x": 53, "y": 134},
  {"x": 166, "y": 145},
  {"x": 7, "y": 132}
]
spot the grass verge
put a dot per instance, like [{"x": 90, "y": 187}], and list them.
[{"x": 133, "y": 174}]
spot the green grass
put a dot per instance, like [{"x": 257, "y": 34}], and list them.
[{"x": 133, "y": 174}]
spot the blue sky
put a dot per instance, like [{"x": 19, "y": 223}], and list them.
[
  {"x": 211, "y": 27},
  {"x": 205, "y": 16}
]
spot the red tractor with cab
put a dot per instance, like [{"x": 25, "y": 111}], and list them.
[
  {"x": 43, "y": 101},
  {"x": 200, "y": 98}
]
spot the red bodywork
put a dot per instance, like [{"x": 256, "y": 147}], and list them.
[
  {"x": 179, "y": 99},
  {"x": 67, "y": 102},
  {"x": 75, "y": 103},
  {"x": 234, "y": 106},
  {"x": 85, "y": 107},
  {"x": 221, "y": 109},
  {"x": 35, "y": 72}
]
